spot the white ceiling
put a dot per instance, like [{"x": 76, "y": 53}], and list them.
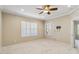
[{"x": 30, "y": 10}]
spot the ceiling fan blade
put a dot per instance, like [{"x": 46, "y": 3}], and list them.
[
  {"x": 48, "y": 13},
  {"x": 39, "y": 8},
  {"x": 41, "y": 12},
  {"x": 52, "y": 9},
  {"x": 44, "y": 6}
]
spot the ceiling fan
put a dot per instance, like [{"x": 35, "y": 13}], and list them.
[{"x": 47, "y": 9}]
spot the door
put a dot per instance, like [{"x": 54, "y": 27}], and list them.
[
  {"x": 76, "y": 29},
  {"x": 76, "y": 32}
]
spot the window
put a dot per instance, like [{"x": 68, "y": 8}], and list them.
[
  {"x": 23, "y": 29},
  {"x": 33, "y": 29},
  {"x": 48, "y": 28},
  {"x": 28, "y": 29}
]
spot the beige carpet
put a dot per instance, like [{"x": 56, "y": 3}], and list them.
[{"x": 41, "y": 46}]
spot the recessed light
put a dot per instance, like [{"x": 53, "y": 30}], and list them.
[
  {"x": 22, "y": 9},
  {"x": 69, "y": 6}
]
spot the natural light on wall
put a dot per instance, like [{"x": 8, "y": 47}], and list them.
[{"x": 28, "y": 29}]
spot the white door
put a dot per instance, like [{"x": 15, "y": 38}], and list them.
[{"x": 76, "y": 32}]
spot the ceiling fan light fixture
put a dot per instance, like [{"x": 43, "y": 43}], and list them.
[{"x": 47, "y": 9}]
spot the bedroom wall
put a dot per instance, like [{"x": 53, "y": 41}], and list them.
[
  {"x": 11, "y": 29},
  {"x": 0, "y": 30},
  {"x": 75, "y": 17},
  {"x": 64, "y": 34}
]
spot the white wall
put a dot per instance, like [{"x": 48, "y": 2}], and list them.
[{"x": 0, "y": 31}]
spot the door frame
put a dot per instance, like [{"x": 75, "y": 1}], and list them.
[{"x": 72, "y": 31}]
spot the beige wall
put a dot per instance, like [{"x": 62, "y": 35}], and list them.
[
  {"x": 0, "y": 29},
  {"x": 11, "y": 29},
  {"x": 65, "y": 33},
  {"x": 75, "y": 17},
  {"x": 12, "y": 32}
]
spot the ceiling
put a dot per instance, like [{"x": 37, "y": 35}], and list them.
[{"x": 30, "y": 10}]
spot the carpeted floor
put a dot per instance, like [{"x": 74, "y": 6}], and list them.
[{"x": 41, "y": 46}]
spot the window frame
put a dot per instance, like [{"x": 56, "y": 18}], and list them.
[{"x": 29, "y": 28}]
